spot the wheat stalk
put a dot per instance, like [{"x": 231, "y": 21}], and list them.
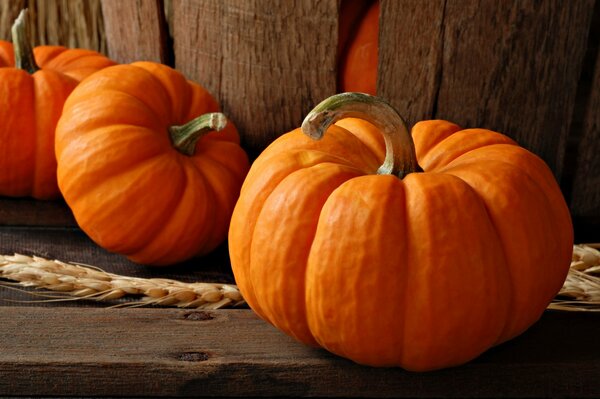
[
  {"x": 581, "y": 289},
  {"x": 80, "y": 281}
]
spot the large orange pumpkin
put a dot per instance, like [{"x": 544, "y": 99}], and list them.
[
  {"x": 139, "y": 168},
  {"x": 31, "y": 99},
  {"x": 398, "y": 265}
]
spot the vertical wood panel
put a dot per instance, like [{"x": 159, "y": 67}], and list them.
[
  {"x": 136, "y": 30},
  {"x": 198, "y": 42},
  {"x": 510, "y": 66},
  {"x": 268, "y": 62},
  {"x": 410, "y": 56},
  {"x": 586, "y": 187},
  {"x": 9, "y": 10},
  {"x": 70, "y": 23},
  {"x": 513, "y": 66}
]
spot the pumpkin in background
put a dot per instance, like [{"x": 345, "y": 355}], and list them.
[
  {"x": 7, "y": 57},
  {"x": 358, "y": 46},
  {"x": 140, "y": 167},
  {"x": 398, "y": 265},
  {"x": 31, "y": 99}
]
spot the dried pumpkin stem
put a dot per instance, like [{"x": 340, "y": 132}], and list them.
[
  {"x": 185, "y": 137},
  {"x": 400, "y": 158},
  {"x": 24, "y": 58}
]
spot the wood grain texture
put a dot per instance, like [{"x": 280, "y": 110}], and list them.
[
  {"x": 72, "y": 245},
  {"x": 410, "y": 56},
  {"x": 510, "y": 66},
  {"x": 70, "y": 23},
  {"x": 586, "y": 186},
  {"x": 30, "y": 212},
  {"x": 136, "y": 30},
  {"x": 158, "y": 352},
  {"x": 268, "y": 62},
  {"x": 9, "y": 10}
]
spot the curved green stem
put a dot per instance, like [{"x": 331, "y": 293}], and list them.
[
  {"x": 185, "y": 137},
  {"x": 400, "y": 157},
  {"x": 24, "y": 58}
]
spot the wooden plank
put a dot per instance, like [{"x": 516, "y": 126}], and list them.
[
  {"x": 9, "y": 10},
  {"x": 159, "y": 352},
  {"x": 499, "y": 68},
  {"x": 136, "y": 30},
  {"x": 72, "y": 245},
  {"x": 30, "y": 212},
  {"x": 70, "y": 23},
  {"x": 585, "y": 204},
  {"x": 410, "y": 56},
  {"x": 268, "y": 62}
]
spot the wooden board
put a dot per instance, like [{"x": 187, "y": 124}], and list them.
[
  {"x": 70, "y": 23},
  {"x": 30, "y": 212},
  {"x": 585, "y": 196},
  {"x": 160, "y": 352},
  {"x": 488, "y": 64},
  {"x": 136, "y": 30},
  {"x": 268, "y": 62}
]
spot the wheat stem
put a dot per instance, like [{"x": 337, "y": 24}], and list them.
[{"x": 70, "y": 281}]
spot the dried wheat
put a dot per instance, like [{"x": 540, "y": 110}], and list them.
[
  {"x": 581, "y": 289},
  {"x": 79, "y": 281}
]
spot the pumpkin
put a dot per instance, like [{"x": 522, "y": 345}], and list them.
[
  {"x": 141, "y": 167},
  {"x": 359, "y": 57},
  {"x": 6, "y": 54},
  {"x": 455, "y": 244},
  {"x": 31, "y": 98}
]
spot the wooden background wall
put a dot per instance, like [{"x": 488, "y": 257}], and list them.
[{"x": 527, "y": 68}]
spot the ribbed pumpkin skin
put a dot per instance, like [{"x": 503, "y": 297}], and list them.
[
  {"x": 31, "y": 107},
  {"x": 423, "y": 273},
  {"x": 130, "y": 190}
]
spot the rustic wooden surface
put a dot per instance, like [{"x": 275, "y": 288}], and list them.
[
  {"x": 268, "y": 62},
  {"x": 70, "y": 23},
  {"x": 29, "y": 212},
  {"x": 72, "y": 245},
  {"x": 585, "y": 195},
  {"x": 161, "y": 352},
  {"x": 136, "y": 30},
  {"x": 489, "y": 64}
]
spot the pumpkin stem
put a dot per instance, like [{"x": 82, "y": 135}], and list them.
[
  {"x": 185, "y": 137},
  {"x": 400, "y": 157},
  {"x": 24, "y": 58}
]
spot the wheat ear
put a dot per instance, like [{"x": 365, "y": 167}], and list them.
[
  {"x": 581, "y": 289},
  {"x": 86, "y": 282}
]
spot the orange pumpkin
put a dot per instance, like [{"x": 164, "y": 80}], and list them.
[
  {"x": 359, "y": 58},
  {"x": 139, "y": 167},
  {"x": 6, "y": 54},
  {"x": 398, "y": 265},
  {"x": 31, "y": 98}
]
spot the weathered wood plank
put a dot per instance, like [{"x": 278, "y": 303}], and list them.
[
  {"x": 9, "y": 10},
  {"x": 410, "y": 56},
  {"x": 159, "y": 352},
  {"x": 268, "y": 62},
  {"x": 70, "y": 23},
  {"x": 30, "y": 212},
  {"x": 499, "y": 67},
  {"x": 585, "y": 205},
  {"x": 72, "y": 245},
  {"x": 136, "y": 30}
]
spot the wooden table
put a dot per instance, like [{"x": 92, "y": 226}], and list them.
[{"x": 85, "y": 349}]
